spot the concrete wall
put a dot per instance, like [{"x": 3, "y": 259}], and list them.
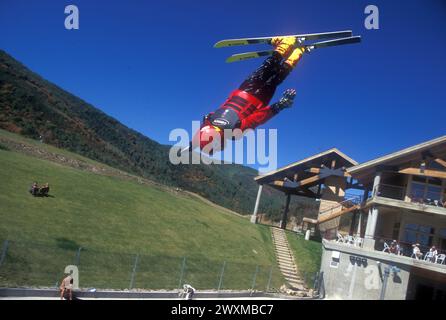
[{"x": 357, "y": 275}]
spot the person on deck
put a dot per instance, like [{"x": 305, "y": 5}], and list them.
[
  {"x": 416, "y": 253},
  {"x": 432, "y": 254}
]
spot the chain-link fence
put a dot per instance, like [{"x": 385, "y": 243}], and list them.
[{"x": 25, "y": 264}]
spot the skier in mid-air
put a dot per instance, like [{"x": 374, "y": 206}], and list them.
[{"x": 248, "y": 106}]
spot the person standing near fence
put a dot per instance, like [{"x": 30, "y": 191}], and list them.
[
  {"x": 66, "y": 286},
  {"x": 188, "y": 292}
]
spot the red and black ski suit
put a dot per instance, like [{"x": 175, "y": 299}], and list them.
[{"x": 247, "y": 107}]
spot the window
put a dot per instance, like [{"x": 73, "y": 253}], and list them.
[
  {"x": 425, "y": 229},
  {"x": 434, "y": 181},
  {"x": 433, "y": 193},
  {"x": 417, "y": 191},
  {"x": 427, "y": 190},
  {"x": 415, "y": 233}
]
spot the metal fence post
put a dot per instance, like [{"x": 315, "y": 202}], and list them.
[
  {"x": 221, "y": 276},
  {"x": 4, "y": 250},
  {"x": 78, "y": 257},
  {"x": 254, "y": 280},
  {"x": 316, "y": 280},
  {"x": 132, "y": 279},
  {"x": 269, "y": 279},
  {"x": 183, "y": 265}
]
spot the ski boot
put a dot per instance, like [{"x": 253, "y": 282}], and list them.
[
  {"x": 284, "y": 45},
  {"x": 295, "y": 56}
]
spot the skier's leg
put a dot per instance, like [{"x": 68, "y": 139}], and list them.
[
  {"x": 264, "y": 88},
  {"x": 256, "y": 81},
  {"x": 261, "y": 83},
  {"x": 285, "y": 69},
  {"x": 280, "y": 75}
]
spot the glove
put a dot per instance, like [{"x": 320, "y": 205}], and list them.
[
  {"x": 286, "y": 101},
  {"x": 288, "y": 98}
]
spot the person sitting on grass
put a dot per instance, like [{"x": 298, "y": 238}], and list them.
[
  {"x": 45, "y": 189},
  {"x": 34, "y": 190}
]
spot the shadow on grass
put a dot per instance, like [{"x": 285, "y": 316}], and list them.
[{"x": 64, "y": 243}]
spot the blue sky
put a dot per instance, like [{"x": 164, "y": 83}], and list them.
[{"x": 151, "y": 65}]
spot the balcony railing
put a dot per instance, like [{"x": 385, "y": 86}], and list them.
[
  {"x": 403, "y": 248},
  {"x": 406, "y": 249},
  {"x": 399, "y": 193},
  {"x": 392, "y": 192}
]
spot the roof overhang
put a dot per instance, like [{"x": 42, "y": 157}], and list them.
[
  {"x": 299, "y": 177},
  {"x": 431, "y": 149}
]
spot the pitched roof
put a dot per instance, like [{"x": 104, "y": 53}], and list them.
[
  {"x": 313, "y": 161},
  {"x": 436, "y": 147}
]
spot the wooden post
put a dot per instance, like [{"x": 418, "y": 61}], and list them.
[
  {"x": 283, "y": 222},
  {"x": 353, "y": 222}
]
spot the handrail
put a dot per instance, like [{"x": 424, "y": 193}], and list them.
[
  {"x": 341, "y": 204},
  {"x": 423, "y": 248},
  {"x": 332, "y": 216},
  {"x": 399, "y": 193}
]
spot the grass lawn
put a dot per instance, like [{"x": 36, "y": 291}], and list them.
[
  {"x": 307, "y": 255},
  {"x": 113, "y": 220}
]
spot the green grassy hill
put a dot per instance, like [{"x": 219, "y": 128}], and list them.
[
  {"x": 307, "y": 255},
  {"x": 114, "y": 218},
  {"x": 35, "y": 107}
]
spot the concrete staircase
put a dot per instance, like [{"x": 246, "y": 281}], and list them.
[{"x": 286, "y": 260}]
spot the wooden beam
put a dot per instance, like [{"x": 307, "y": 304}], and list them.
[
  {"x": 331, "y": 216},
  {"x": 424, "y": 173},
  {"x": 440, "y": 162},
  {"x": 310, "y": 180},
  {"x": 297, "y": 184},
  {"x": 309, "y": 220},
  {"x": 326, "y": 171},
  {"x": 284, "y": 184}
]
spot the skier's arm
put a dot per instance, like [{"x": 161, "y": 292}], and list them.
[
  {"x": 285, "y": 102},
  {"x": 262, "y": 115}
]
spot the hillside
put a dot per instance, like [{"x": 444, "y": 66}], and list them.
[
  {"x": 114, "y": 217},
  {"x": 38, "y": 109}
]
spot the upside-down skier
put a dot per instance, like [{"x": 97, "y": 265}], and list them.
[{"x": 248, "y": 106}]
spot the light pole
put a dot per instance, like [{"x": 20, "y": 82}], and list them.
[{"x": 387, "y": 270}]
